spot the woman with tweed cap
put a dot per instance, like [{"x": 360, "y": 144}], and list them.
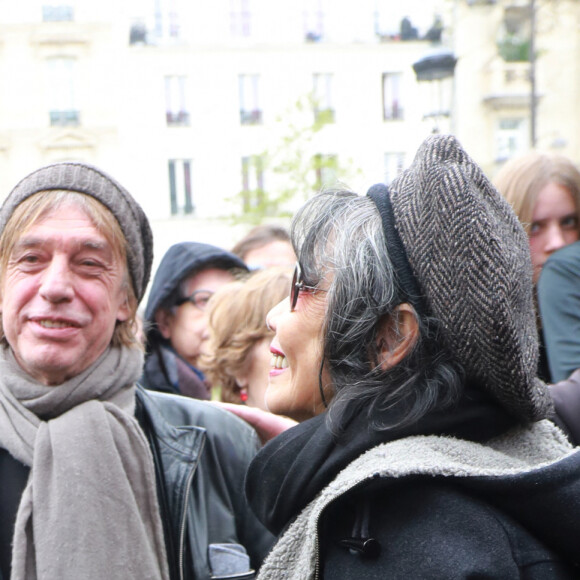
[{"x": 407, "y": 350}]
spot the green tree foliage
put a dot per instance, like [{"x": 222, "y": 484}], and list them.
[{"x": 294, "y": 171}]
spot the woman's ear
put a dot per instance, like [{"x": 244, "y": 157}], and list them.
[
  {"x": 397, "y": 334},
  {"x": 242, "y": 379}
]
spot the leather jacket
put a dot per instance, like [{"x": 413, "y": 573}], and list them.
[{"x": 201, "y": 453}]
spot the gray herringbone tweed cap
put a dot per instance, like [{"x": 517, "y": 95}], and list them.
[
  {"x": 83, "y": 178},
  {"x": 471, "y": 258}
]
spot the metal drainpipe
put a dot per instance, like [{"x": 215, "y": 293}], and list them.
[{"x": 533, "y": 74}]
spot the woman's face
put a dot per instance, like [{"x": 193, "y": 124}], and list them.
[
  {"x": 296, "y": 354},
  {"x": 554, "y": 224}
]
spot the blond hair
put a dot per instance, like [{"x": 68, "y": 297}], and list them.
[
  {"x": 237, "y": 321},
  {"x": 37, "y": 206},
  {"x": 521, "y": 179}
]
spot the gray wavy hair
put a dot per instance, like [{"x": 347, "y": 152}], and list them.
[{"x": 340, "y": 233}]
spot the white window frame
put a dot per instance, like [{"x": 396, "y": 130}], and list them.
[
  {"x": 252, "y": 181},
  {"x": 326, "y": 176},
  {"x": 240, "y": 18},
  {"x": 322, "y": 95},
  {"x": 313, "y": 17},
  {"x": 181, "y": 186},
  {"x": 393, "y": 109},
  {"x": 166, "y": 19},
  {"x": 394, "y": 163},
  {"x": 176, "y": 110},
  {"x": 61, "y": 76},
  {"x": 511, "y": 138},
  {"x": 249, "y": 91}
]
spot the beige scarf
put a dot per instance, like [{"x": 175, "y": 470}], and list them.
[{"x": 89, "y": 509}]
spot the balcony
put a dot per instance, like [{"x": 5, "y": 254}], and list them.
[
  {"x": 508, "y": 85},
  {"x": 253, "y": 117},
  {"x": 313, "y": 36},
  {"x": 138, "y": 34},
  {"x": 177, "y": 118},
  {"x": 68, "y": 118}
]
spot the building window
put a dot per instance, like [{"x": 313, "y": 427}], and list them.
[
  {"x": 326, "y": 170},
  {"x": 180, "y": 187},
  {"x": 511, "y": 138},
  {"x": 138, "y": 33},
  {"x": 240, "y": 18},
  {"x": 166, "y": 19},
  {"x": 394, "y": 165},
  {"x": 175, "y": 105},
  {"x": 322, "y": 97},
  {"x": 513, "y": 42},
  {"x": 392, "y": 105},
  {"x": 57, "y": 13},
  {"x": 250, "y": 112},
  {"x": 61, "y": 83},
  {"x": 313, "y": 21},
  {"x": 253, "y": 195}
]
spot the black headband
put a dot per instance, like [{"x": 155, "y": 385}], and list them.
[{"x": 407, "y": 286}]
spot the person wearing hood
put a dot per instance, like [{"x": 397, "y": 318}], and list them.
[
  {"x": 407, "y": 351},
  {"x": 176, "y": 319}
]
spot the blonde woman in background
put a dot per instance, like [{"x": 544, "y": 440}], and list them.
[
  {"x": 238, "y": 358},
  {"x": 544, "y": 191}
]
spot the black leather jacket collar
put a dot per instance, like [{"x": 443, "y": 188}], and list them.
[
  {"x": 201, "y": 454},
  {"x": 181, "y": 448}
]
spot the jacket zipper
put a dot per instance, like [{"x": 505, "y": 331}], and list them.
[
  {"x": 316, "y": 541},
  {"x": 184, "y": 513},
  {"x": 317, "y": 547}
]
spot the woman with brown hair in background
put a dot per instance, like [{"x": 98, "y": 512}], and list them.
[
  {"x": 239, "y": 341},
  {"x": 544, "y": 191}
]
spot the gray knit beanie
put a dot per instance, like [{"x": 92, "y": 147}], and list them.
[
  {"x": 469, "y": 262},
  {"x": 83, "y": 178}
]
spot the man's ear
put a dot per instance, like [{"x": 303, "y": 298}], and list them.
[
  {"x": 124, "y": 310},
  {"x": 162, "y": 319},
  {"x": 396, "y": 336}
]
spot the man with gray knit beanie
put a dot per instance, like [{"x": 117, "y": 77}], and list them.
[{"x": 98, "y": 478}]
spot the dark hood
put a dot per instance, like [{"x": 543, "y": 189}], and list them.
[
  {"x": 290, "y": 470},
  {"x": 179, "y": 262}
]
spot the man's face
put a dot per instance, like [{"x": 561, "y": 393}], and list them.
[
  {"x": 61, "y": 296},
  {"x": 185, "y": 326}
]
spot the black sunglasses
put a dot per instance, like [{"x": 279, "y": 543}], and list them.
[
  {"x": 299, "y": 286},
  {"x": 199, "y": 299}
]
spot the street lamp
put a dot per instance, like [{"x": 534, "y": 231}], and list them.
[{"x": 436, "y": 71}]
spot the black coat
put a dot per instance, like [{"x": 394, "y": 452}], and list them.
[
  {"x": 421, "y": 526},
  {"x": 442, "y": 529}
]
